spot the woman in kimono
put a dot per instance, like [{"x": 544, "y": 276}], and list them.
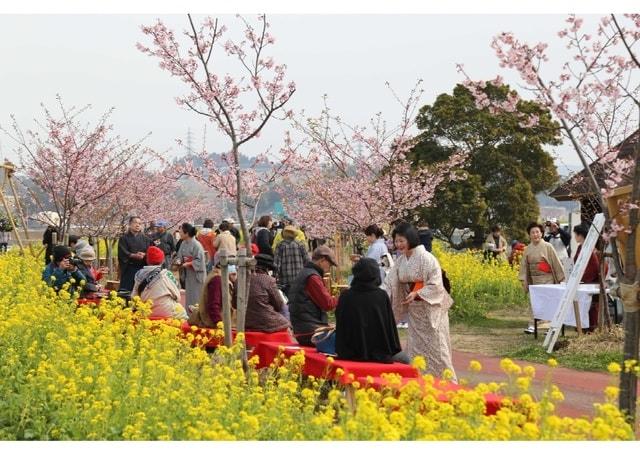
[
  {"x": 540, "y": 264},
  {"x": 190, "y": 258},
  {"x": 415, "y": 286}
]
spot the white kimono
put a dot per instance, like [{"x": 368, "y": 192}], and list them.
[{"x": 428, "y": 334}]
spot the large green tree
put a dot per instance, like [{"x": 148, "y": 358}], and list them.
[{"x": 506, "y": 164}]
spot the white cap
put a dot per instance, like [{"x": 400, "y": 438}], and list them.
[{"x": 229, "y": 220}]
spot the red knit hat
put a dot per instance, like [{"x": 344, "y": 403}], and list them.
[
  {"x": 254, "y": 249},
  {"x": 155, "y": 256}
]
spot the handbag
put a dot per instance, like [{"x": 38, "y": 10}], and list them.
[{"x": 324, "y": 338}]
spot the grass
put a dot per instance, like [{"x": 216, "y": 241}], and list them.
[{"x": 500, "y": 334}]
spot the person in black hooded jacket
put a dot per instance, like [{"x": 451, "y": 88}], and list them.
[{"x": 365, "y": 325}]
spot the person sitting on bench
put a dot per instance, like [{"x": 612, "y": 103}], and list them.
[
  {"x": 158, "y": 284},
  {"x": 365, "y": 325}
]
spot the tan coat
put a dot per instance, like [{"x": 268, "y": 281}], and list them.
[
  {"x": 226, "y": 241},
  {"x": 502, "y": 244},
  {"x": 529, "y": 265}
]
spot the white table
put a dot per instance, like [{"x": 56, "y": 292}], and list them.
[{"x": 545, "y": 300}]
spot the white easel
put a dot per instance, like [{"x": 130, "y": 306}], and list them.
[{"x": 573, "y": 282}]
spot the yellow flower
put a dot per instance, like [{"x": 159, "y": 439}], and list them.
[
  {"x": 552, "y": 363},
  {"x": 612, "y": 392},
  {"x": 419, "y": 363},
  {"x": 614, "y": 368},
  {"x": 523, "y": 383},
  {"x": 447, "y": 374},
  {"x": 475, "y": 366}
]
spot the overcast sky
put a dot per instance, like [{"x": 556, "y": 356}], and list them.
[{"x": 92, "y": 59}]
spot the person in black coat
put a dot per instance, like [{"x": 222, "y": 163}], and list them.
[{"x": 365, "y": 325}]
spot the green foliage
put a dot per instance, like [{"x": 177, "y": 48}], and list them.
[{"x": 506, "y": 164}]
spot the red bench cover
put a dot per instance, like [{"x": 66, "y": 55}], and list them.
[
  {"x": 316, "y": 363},
  {"x": 251, "y": 338},
  {"x": 492, "y": 401}
]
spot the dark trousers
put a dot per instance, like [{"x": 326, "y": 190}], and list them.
[{"x": 127, "y": 276}]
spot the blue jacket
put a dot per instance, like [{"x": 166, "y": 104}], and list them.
[{"x": 62, "y": 276}]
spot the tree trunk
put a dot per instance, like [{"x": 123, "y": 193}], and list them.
[
  {"x": 242, "y": 282},
  {"x": 629, "y": 380}
]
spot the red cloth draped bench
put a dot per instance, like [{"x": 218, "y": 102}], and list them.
[
  {"x": 492, "y": 401},
  {"x": 251, "y": 337},
  {"x": 316, "y": 363},
  {"x": 366, "y": 373}
]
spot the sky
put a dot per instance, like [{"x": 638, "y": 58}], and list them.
[{"x": 92, "y": 59}]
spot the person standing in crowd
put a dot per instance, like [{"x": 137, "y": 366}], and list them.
[
  {"x": 540, "y": 264},
  {"x": 426, "y": 236},
  {"x": 47, "y": 241},
  {"x": 208, "y": 313},
  {"x": 61, "y": 271},
  {"x": 495, "y": 244},
  {"x": 164, "y": 241},
  {"x": 225, "y": 240},
  {"x": 150, "y": 231},
  {"x": 265, "y": 307},
  {"x": 5, "y": 237},
  {"x": 157, "y": 284},
  {"x": 76, "y": 243},
  {"x": 560, "y": 240},
  {"x": 517, "y": 250},
  {"x": 290, "y": 258},
  {"x": 262, "y": 235},
  {"x": 300, "y": 236},
  {"x": 377, "y": 247},
  {"x": 415, "y": 287},
  {"x": 591, "y": 273},
  {"x": 310, "y": 300},
  {"x": 190, "y": 257},
  {"x": 132, "y": 247},
  {"x": 206, "y": 237},
  {"x": 92, "y": 275},
  {"x": 233, "y": 230},
  {"x": 365, "y": 325}
]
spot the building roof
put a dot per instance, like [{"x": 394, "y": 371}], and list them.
[{"x": 578, "y": 185}]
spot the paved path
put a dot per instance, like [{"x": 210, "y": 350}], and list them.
[{"x": 581, "y": 388}]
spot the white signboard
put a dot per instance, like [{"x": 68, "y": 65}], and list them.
[{"x": 574, "y": 281}]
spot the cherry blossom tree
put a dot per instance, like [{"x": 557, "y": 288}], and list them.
[
  {"x": 360, "y": 175},
  {"x": 596, "y": 100},
  {"x": 262, "y": 173},
  {"x": 239, "y": 106},
  {"x": 76, "y": 165}
]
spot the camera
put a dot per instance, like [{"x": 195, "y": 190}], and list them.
[{"x": 75, "y": 261}]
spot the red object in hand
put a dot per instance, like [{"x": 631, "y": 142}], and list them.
[{"x": 543, "y": 266}]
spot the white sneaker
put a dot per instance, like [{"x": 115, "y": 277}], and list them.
[
  {"x": 403, "y": 325},
  {"x": 530, "y": 329}
]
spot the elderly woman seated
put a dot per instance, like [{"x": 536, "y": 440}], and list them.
[
  {"x": 365, "y": 325},
  {"x": 158, "y": 284},
  {"x": 208, "y": 313},
  {"x": 265, "y": 306}
]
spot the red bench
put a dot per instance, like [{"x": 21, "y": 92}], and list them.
[
  {"x": 251, "y": 337},
  {"x": 492, "y": 401},
  {"x": 369, "y": 374},
  {"x": 317, "y": 364}
]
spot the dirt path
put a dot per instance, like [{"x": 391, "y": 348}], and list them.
[{"x": 581, "y": 388}]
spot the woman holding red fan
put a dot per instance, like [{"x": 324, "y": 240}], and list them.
[{"x": 540, "y": 264}]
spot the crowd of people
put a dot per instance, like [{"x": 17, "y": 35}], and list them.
[{"x": 397, "y": 283}]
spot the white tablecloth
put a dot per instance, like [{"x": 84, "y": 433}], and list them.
[{"x": 545, "y": 300}]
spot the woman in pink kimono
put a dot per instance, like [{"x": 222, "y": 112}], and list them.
[{"x": 415, "y": 286}]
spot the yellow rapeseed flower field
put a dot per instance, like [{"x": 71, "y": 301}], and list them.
[
  {"x": 69, "y": 372},
  {"x": 478, "y": 286}
]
